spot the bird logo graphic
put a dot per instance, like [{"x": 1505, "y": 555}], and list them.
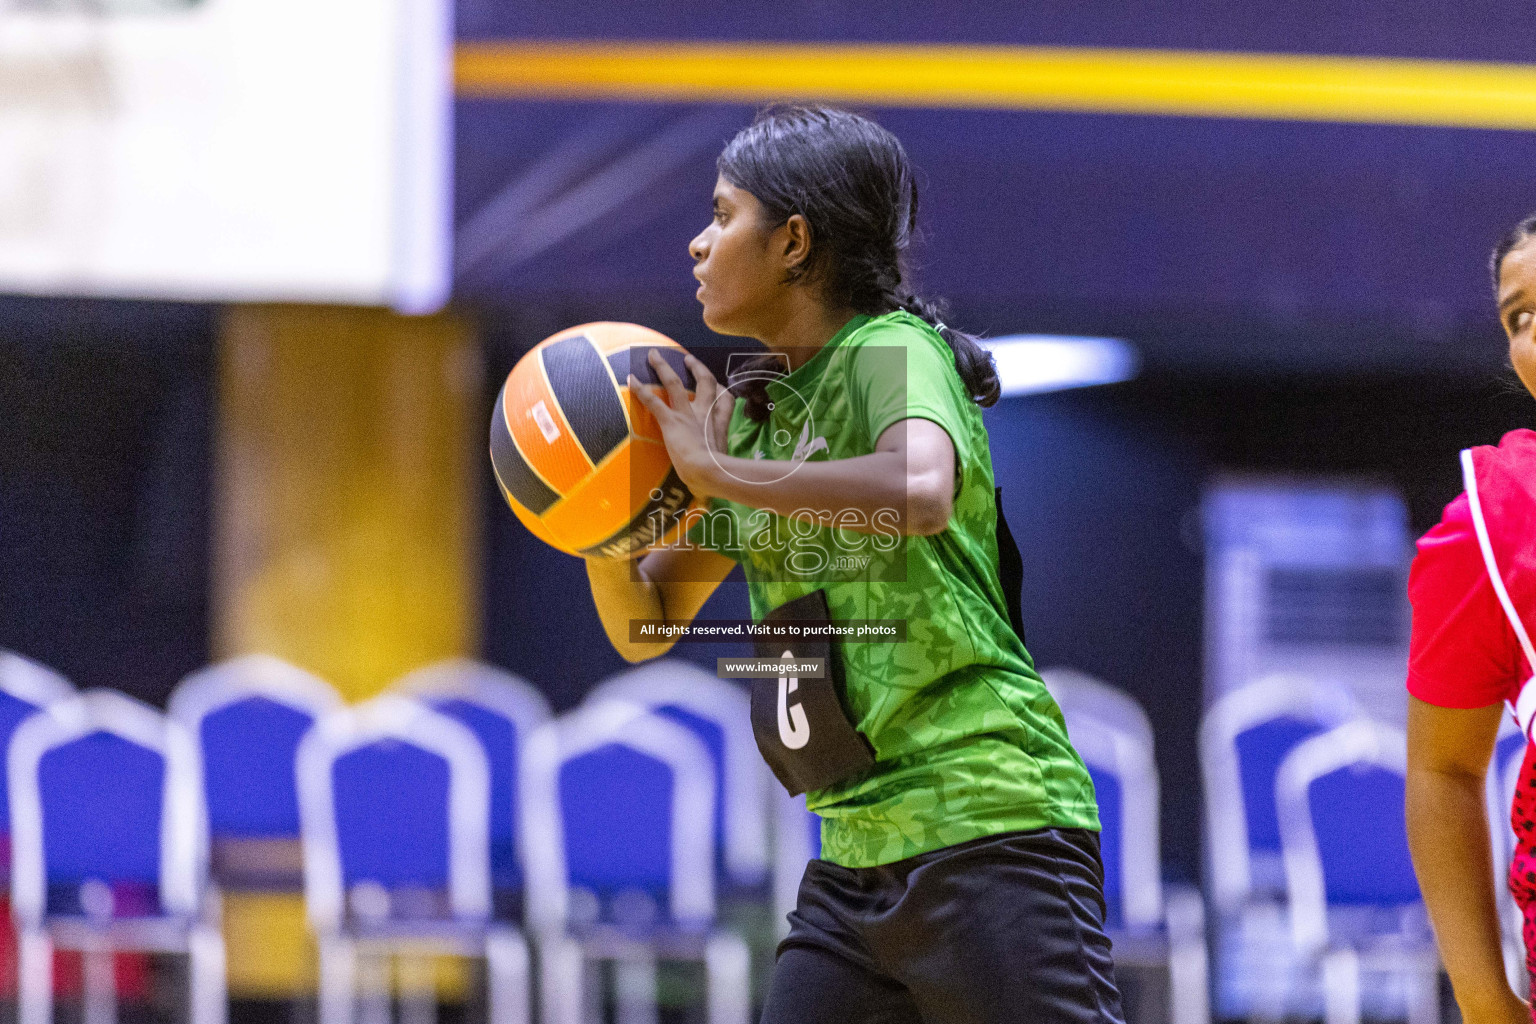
[{"x": 808, "y": 445}]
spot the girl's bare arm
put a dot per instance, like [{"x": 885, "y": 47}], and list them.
[{"x": 1448, "y": 753}]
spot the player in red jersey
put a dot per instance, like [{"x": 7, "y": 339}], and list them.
[{"x": 1473, "y": 588}]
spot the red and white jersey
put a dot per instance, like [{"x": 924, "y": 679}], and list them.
[
  {"x": 1501, "y": 495},
  {"x": 1473, "y": 589},
  {"x": 1466, "y": 650}
]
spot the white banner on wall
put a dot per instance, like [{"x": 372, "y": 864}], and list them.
[{"x": 232, "y": 150}]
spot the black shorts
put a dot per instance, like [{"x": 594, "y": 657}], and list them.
[{"x": 1005, "y": 928}]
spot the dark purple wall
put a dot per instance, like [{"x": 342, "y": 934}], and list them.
[
  {"x": 1214, "y": 243},
  {"x": 1210, "y": 242},
  {"x": 105, "y": 474},
  {"x": 1479, "y": 30}
]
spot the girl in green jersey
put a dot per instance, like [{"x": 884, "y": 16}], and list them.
[{"x": 960, "y": 878}]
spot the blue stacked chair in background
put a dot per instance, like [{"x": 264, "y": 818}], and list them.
[
  {"x": 105, "y": 855},
  {"x": 760, "y": 831},
  {"x": 1149, "y": 925},
  {"x": 1354, "y": 899},
  {"x": 395, "y": 804},
  {"x": 615, "y": 829},
  {"x": 619, "y": 805},
  {"x": 719, "y": 713},
  {"x": 1243, "y": 738},
  {"x": 246, "y": 718},
  {"x": 502, "y": 710}
]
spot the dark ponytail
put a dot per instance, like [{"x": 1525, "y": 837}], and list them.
[
  {"x": 850, "y": 179},
  {"x": 977, "y": 368}
]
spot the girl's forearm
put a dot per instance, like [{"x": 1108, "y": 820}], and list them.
[
  {"x": 866, "y": 493},
  {"x": 1448, "y": 836},
  {"x": 622, "y": 592}
]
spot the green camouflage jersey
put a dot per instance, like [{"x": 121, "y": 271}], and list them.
[{"x": 967, "y": 741}]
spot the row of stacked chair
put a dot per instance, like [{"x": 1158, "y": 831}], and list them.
[
  {"x": 456, "y": 814},
  {"x": 1314, "y": 909},
  {"x": 453, "y": 814}
]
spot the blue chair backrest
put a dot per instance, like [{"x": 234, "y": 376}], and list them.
[
  {"x": 1106, "y": 787},
  {"x": 248, "y": 778},
  {"x": 102, "y": 803},
  {"x": 616, "y": 804},
  {"x": 391, "y": 803},
  {"x": 713, "y": 737},
  {"x": 1116, "y": 748},
  {"x": 1259, "y": 753},
  {"x": 717, "y": 713},
  {"x": 1362, "y": 840},
  {"x": 498, "y": 736}
]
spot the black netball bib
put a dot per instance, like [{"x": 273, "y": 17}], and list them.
[
  {"x": 801, "y": 726},
  {"x": 1010, "y": 569}
]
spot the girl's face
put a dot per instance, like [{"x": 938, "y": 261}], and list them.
[
  {"x": 740, "y": 264},
  {"x": 1517, "y": 309}
]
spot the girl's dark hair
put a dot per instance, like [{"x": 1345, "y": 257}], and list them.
[
  {"x": 1513, "y": 238},
  {"x": 850, "y": 179}
]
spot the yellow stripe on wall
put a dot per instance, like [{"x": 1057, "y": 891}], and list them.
[{"x": 1369, "y": 90}]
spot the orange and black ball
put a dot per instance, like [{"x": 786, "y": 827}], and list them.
[{"x": 579, "y": 459}]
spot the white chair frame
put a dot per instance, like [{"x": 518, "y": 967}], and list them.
[
  {"x": 508, "y": 696},
  {"x": 1087, "y": 695},
  {"x": 1108, "y": 727},
  {"x": 1360, "y": 742},
  {"x": 692, "y": 898},
  {"x": 32, "y": 681},
  {"x": 353, "y": 952},
  {"x": 1281, "y": 695},
  {"x": 181, "y": 875},
  {"x": 1131, "y": 763},
  {"x": 216, "y": 687},
  {"x": 670, "y": 681},
  {"x": 504, "y": 694}
]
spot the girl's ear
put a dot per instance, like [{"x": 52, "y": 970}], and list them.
[{"x": 797, "y": 243}]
